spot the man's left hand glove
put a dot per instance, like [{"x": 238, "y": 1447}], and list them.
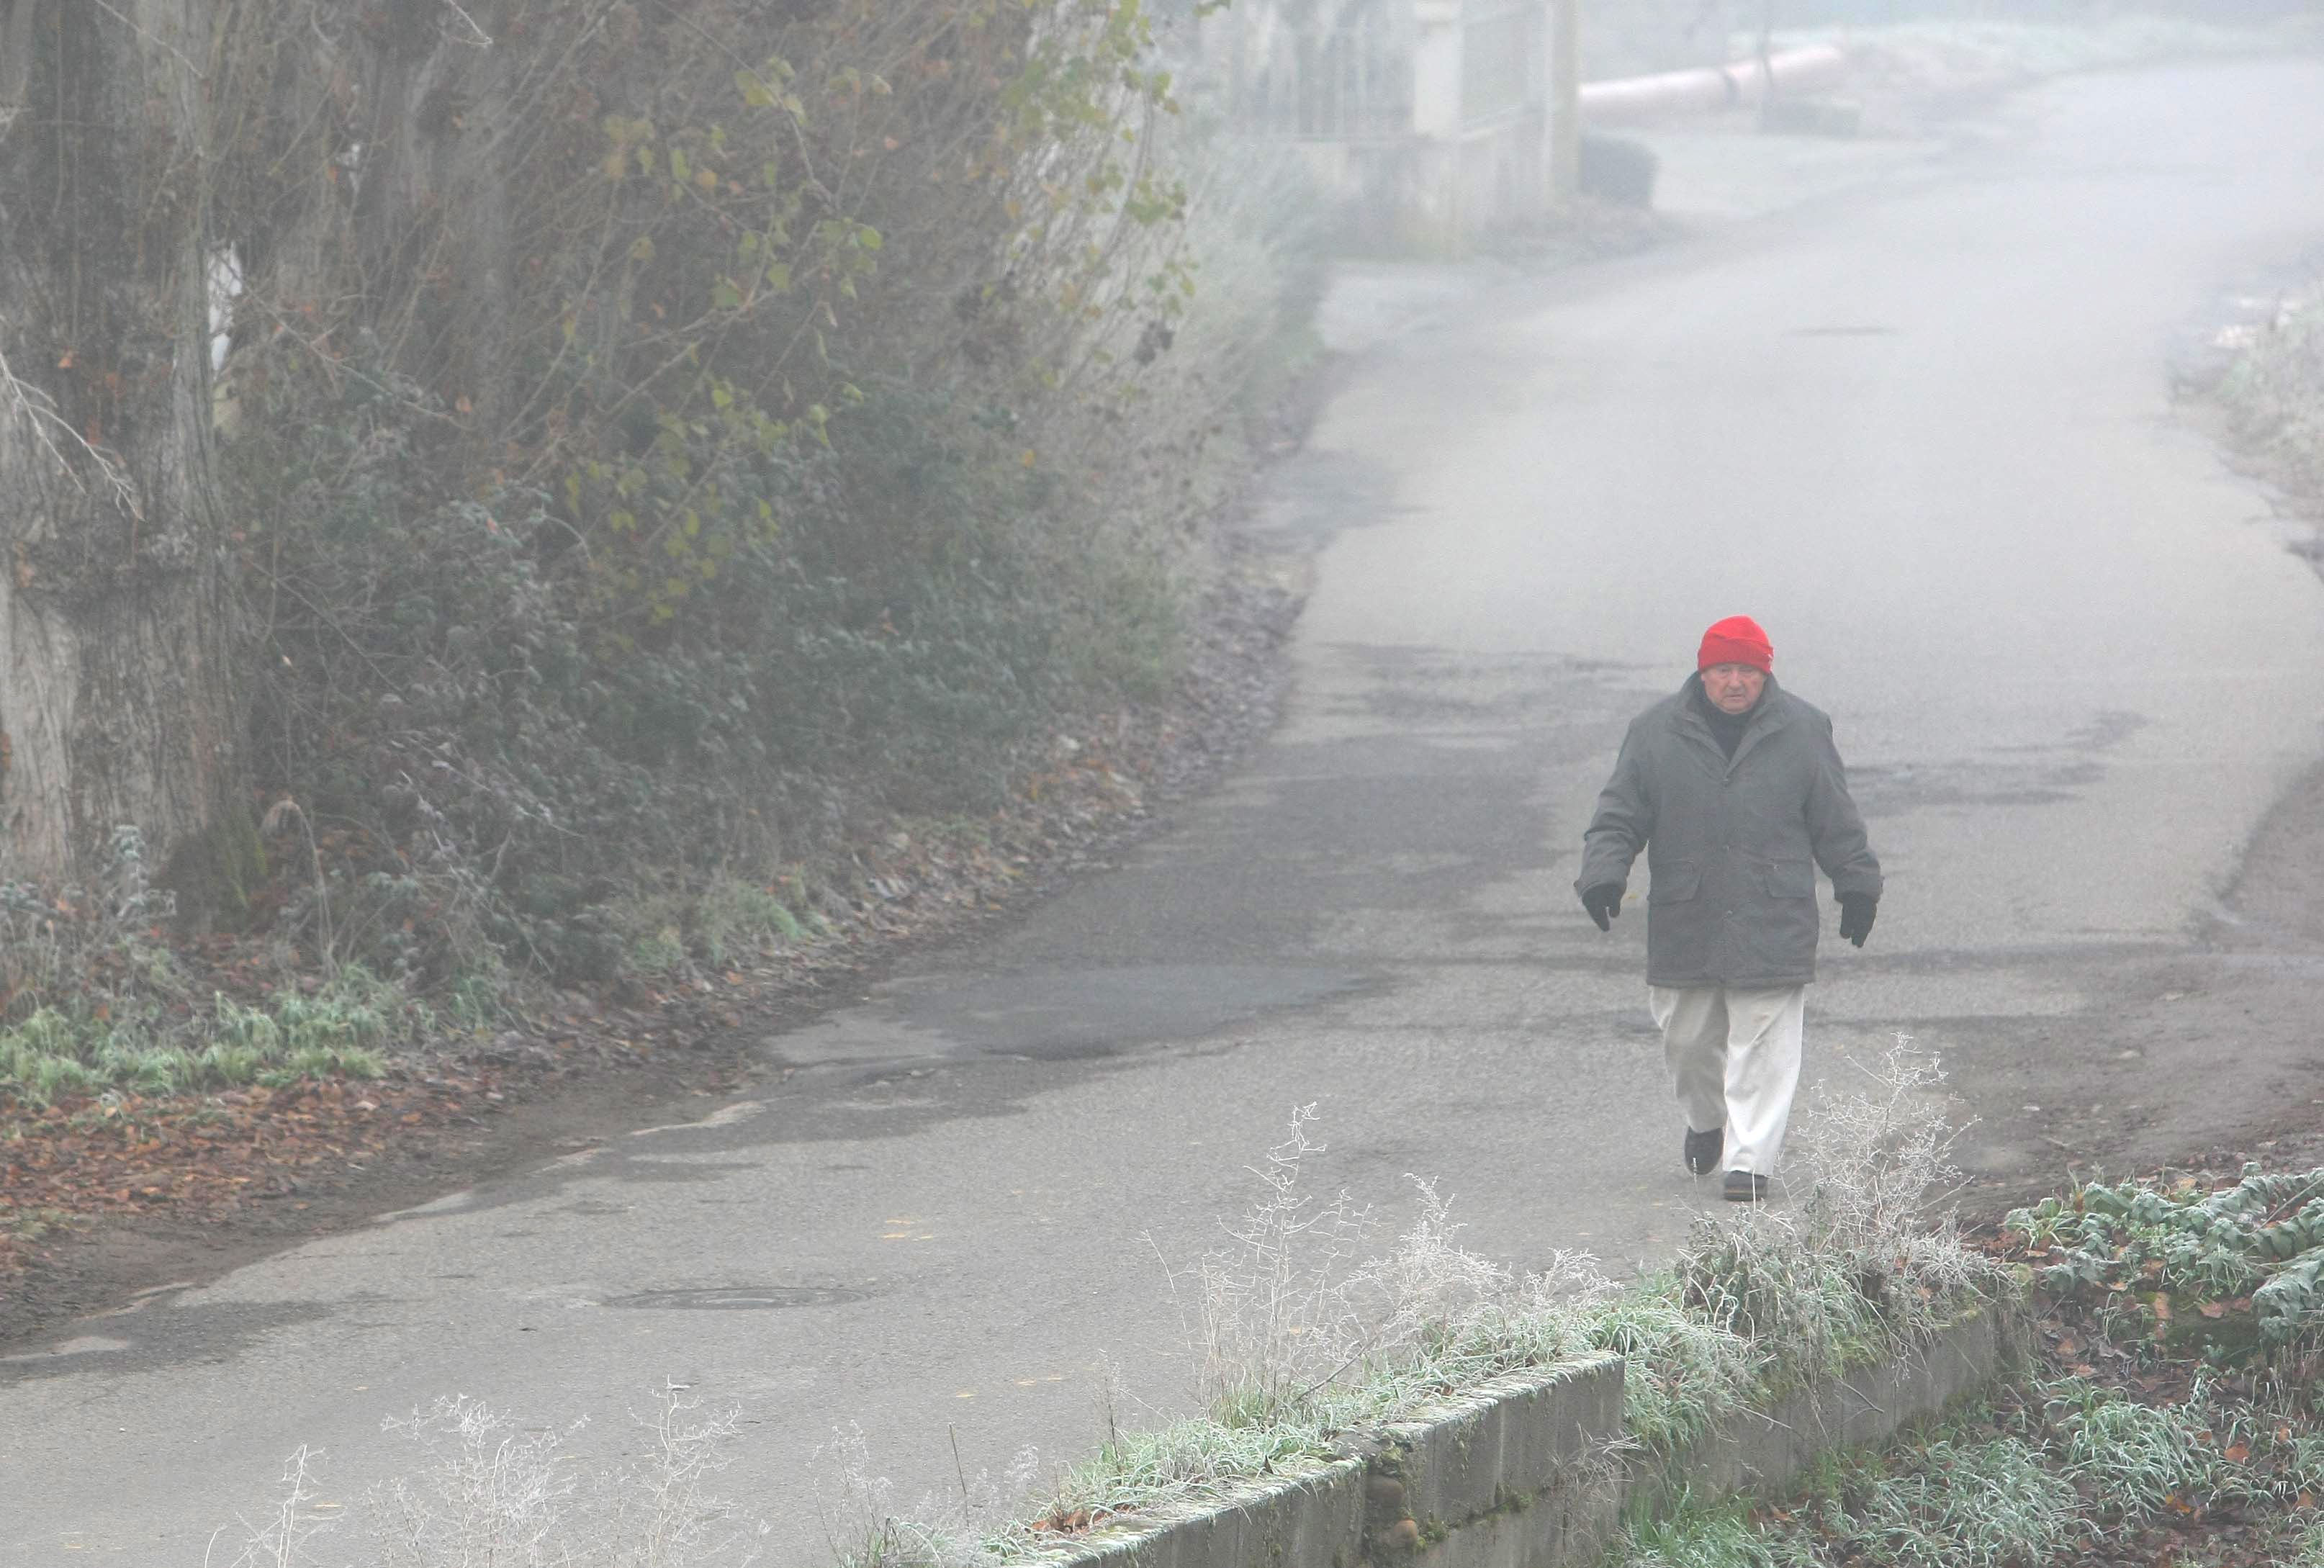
[
  {"x": 1604, "y": 902},
  {"x": 1856, "y": 911}
]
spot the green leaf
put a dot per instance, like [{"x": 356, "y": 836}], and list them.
[{"x": 641, "y": 249}]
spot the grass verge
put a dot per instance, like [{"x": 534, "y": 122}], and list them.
[
  {"x": 2126, "y": 1440},
  {"x": 2175, "y": 1414},
  {"x": 1303, "y": 1344}
]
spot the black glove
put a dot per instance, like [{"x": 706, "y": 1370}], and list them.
[
  {"x": 1856, "y": 911},
  {"x": 1604, "y": 903}
]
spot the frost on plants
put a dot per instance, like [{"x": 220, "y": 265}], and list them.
[
  {"x": 279, "y": 1539},
  {"x": 1276, "y": 1318},
  {"x": 2141, "y": 1458},
  {"x": 864, "y": 1528},
  {"x": 1875, "y": 1169},
  {"x": 489, "y": 1490},
  {"x": 1293, "y": 1329},
  {"x": 1871, "y": 1261},
  {"x": 1962, "y": 1505},
  {"x": 2240, "y": 1269},
  {"x": 1692, "y": 1538}
]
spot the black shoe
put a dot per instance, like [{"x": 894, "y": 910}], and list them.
[
  {"x": 1704, "y": 1150},
  {"x": 1743, "y": 1187}
]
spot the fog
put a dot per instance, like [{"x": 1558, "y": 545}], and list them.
[{"x": 1931, "y": 390}]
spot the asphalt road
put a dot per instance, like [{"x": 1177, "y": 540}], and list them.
[{"x": 1924, "y": 433}]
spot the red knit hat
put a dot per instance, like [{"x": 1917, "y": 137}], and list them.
[{"x": 1736, "y": 640}]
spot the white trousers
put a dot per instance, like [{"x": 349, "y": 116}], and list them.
[{"x": 1734, "y": 1058}]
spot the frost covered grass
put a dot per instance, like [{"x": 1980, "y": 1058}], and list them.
[
  {"x": 2166, "y": 1426},
  {"x": 1288, "y": 1324},
  {"x": 1305, "y": 1332},
  {"x": 2140, "y": 1455},
  {"x": 486, "y": 1489},
  {"x": 1956, "y": 1503},
  {"x": 1719, "y": 1537},
  {"x": 1306, "y": 1336}
]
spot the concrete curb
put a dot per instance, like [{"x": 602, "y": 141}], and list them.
[
  {"x": 1764, "y": 1450},
  {"x": 1538, "y": 1470}
]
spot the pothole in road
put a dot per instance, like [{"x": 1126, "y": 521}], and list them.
[{"x": 741, "y": 1297}]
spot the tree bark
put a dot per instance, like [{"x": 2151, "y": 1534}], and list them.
[{"x": 118, "y": 698}]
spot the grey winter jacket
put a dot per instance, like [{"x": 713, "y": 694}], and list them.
[{"x": 1731, "y": 846}]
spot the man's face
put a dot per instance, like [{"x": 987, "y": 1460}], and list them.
[{"x": 1733, "y": 688}]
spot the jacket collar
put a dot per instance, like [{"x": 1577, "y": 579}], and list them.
[{"x": 1767, "y": 717}]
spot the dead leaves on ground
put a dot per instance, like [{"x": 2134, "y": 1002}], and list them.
[{"x": 203, "y": 1157}]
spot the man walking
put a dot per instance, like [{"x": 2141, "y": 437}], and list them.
[{"x": 1734, "y": 791}]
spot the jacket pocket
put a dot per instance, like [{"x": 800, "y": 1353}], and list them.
[
  {"x": 1674, "y": 881},
  {"x": 1788, "y": 879}
]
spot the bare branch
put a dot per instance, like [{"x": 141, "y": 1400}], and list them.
[
  {"x": 39, "y": 411},
  {"x": 130, "y": 22},
  {"x": 479, "y": 38}
]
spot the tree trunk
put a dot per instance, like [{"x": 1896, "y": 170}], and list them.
[
  {"x": 118, "y": 697},
  {"x": 434, "y": 224}
]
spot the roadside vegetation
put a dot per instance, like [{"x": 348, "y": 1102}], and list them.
[
  {"x": 1302, "y": 1342},
  {"x": 792, "y": 487},
  {"x": 1304, "y": 1335},
  {"x": 2274, "y": 391},
  {"x": 142, "y": 1027},
  {"x": 2170, "y": 1408},
  {"x": 2174, "y": 1412}
]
